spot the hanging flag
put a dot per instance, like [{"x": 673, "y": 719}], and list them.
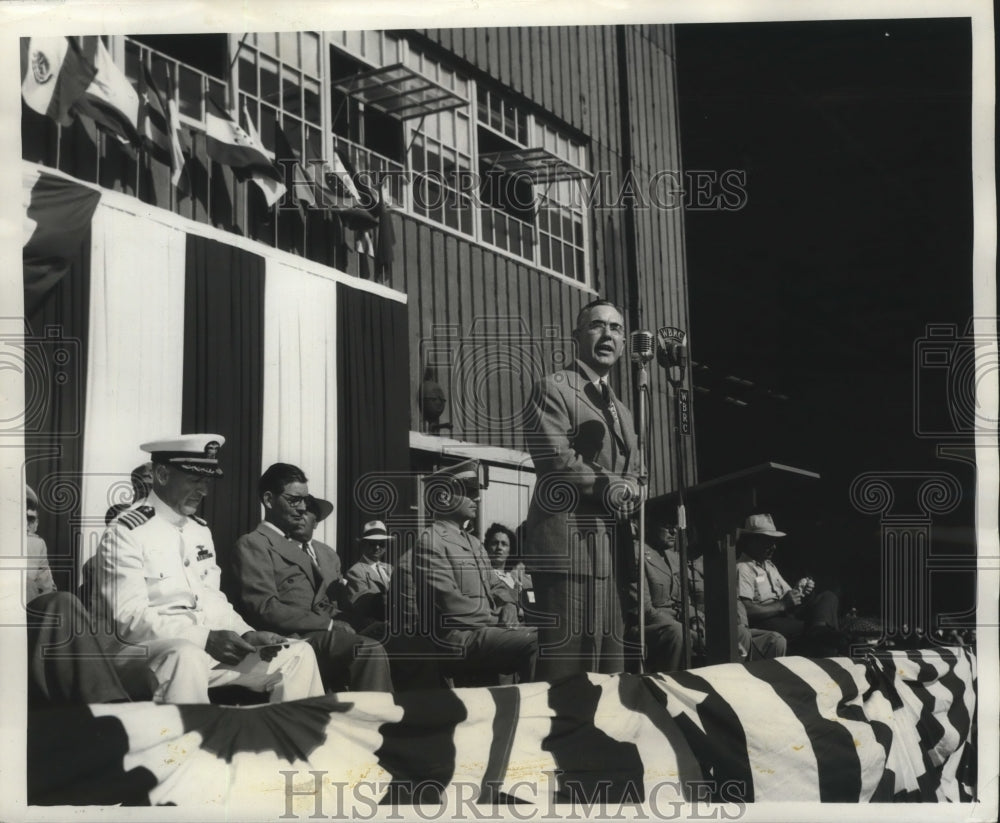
[
  {"x": 178, "y": 178},
  {"x": 56, "y": 75},
  {"x": 302, "y": 184},
  {"x": 231, "y": 145},
  {"x": 110, "y": 101},
  {"x": 159, "y": 127},
  {"x": 385, "y": 246},
  {"x": 153, "y": 126},
  {"x": 57, "y": 217}
]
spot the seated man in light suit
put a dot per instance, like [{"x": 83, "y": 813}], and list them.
[
  {"x": 290, "y": 583},
  {"x": 158, "y": 580},
  {"x": 368, "y": 580}
]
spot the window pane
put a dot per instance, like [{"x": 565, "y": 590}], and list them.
[
  {"x": 417, "y": 159},
  {"x": 544, "y": 248},
  {"x": 289, "y": 43},
  {"x": 291, "y": 85},
  {"x": 217, "y": 91},
  {"x": 268, "y": 117},
  {"x": 189, "y": 88},
  {"x": 314, "y": 144},
  {"x": 466, "y": 216},
  {"x": 487, "y": 224},
  {"x": 430, "y": 128},
  {"x": 269, "y": 90},
  {"x": 567, "y": 228},
  {"x": 311, "y": 112},
  {"x": 580, "y": 274},
  {"x": 248, "y": 75},
  {"x": 577, "y": 231},
  {"x": 462, "y": 135},
  {"x": 450, "y": 212},
  {"x": 556, "y": 262},
  {"x": 310, "y": 53},
  {"x": 293, "y": 131},
  {"x": 267, "y": 41}
]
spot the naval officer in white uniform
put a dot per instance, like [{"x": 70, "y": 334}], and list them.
[{"x": 158, "y": 580}]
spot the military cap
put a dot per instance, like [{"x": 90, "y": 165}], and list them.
[
  {"x": 462, "y": 477},
  {"x": 192, "y": 453}
]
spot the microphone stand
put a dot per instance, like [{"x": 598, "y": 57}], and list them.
[
  {"x": 643, "y": 479},
  {"x": 677, "y": 382}
]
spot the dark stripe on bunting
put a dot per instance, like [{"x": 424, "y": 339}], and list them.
[
  {"x": 591, "y": 768},
  {"x": 838, "y": 766},
  {"x": 652, "y": 702},
  {"x": 722, "y": 747},
  {"x": 292, "y": 731},
  {"x": 508, "y": 707},
  {"x": 224, "y": 379},
  {"x": 929, "y": 728},
  {"x": 883, "y": 734},
  {"x": 419, "y": 750},
  {"x": 958, "y": 713}
]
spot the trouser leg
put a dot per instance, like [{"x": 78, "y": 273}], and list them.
[
  {"x": 351, "y": 661},
  {"x": 66, "y": 662}
]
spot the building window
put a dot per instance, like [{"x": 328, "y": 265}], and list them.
[
  {"x": 279, "y": 82},
  {"x": 196, "y": 64},
  {"x": 529, "y": 186},
  {"x": 441, "y": 151}
]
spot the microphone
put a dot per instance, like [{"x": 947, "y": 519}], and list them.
[
  {"x": 671, "y": 353},
  {"x": 641, "y": 346}
]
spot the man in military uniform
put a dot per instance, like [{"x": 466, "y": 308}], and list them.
[
  {"x": 159, "y": 581},
  {"x": 456, "y": 593}
]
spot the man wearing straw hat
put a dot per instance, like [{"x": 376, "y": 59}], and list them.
[
  {"x": 368, "y": 579},
  {"x": 805, "y": 617}
]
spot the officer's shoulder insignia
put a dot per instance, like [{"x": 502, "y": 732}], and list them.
[
  {"x": 133, "y": 518},
  {"x": 200, "y": 521}
]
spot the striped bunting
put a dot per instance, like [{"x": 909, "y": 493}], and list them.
[{"x": 894, "y": 727}]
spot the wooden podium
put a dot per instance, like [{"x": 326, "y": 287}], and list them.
[{"x": 715, "y": 510}]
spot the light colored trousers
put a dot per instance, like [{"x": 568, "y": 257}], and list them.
[{"x": 186, "y": 672}]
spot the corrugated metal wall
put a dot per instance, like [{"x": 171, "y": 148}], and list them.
[{"x": 573, "y": 73}]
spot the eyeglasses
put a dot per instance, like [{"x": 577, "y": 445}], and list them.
[
  {"x": 604, "y": 327},
  {"x": 296, "y": 500}
]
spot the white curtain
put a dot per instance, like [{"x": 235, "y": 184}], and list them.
[
  {"x": 135, "y": 363},
  {"x": 300, "y": 379}
]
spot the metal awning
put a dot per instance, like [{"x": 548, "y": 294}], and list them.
[
  {"x": 400, "y": 92},
  {"x": 539, "y": 164}
]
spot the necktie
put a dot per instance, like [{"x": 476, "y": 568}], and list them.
[
  {"x": 308, "y": 549},
  {"x": 612, "y": 409},
  {"x": 611, "y": 415}
]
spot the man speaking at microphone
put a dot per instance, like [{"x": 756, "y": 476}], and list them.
[{"x": 579, "y": 543}]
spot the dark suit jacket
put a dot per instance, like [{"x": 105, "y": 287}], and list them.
[
  {"x": 576, "y": 460},
  {"x": 278, "y": 588}
]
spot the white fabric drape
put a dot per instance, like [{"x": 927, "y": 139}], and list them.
[
  {"x": 300, "y": 379},
  {"x": 136, "y": 355}
]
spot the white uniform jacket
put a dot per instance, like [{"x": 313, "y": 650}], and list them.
[{"x": 158, "y": 577}]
